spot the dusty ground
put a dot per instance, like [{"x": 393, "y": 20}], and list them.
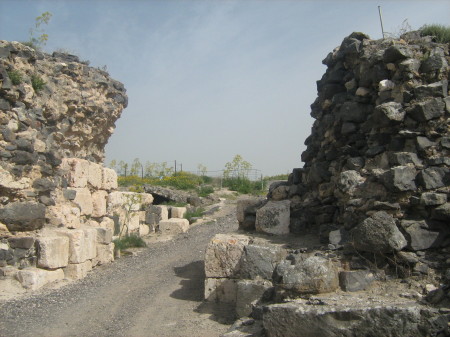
[{"x": 157, "y": 291}]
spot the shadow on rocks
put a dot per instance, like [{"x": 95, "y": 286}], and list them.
[
  {"x": 193, "y": 283},
  {"x": 192, "y": 289}
]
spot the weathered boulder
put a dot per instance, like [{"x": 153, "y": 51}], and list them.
[
  {"x": 356, "y": 280},
  {"x": 23, "y": 216},
  {"x": 274, "y": 217},
  {"x": 223, "y": 255},
  {"x": 259, "y": 259},
  {"x": 378, "y": 234},
  {"x": 313, "y": 275}
]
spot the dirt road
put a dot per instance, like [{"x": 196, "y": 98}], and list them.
[{"x": 157, "y": 292}]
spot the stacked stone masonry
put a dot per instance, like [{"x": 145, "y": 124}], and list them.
[
  {"x": 59, "y": 207},
  {"x": 375, "y": 193}
]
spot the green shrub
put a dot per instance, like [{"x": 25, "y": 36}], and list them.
[
  {"x": 196, "y": 213},
  {"x": 204, "y": 191},
  {"x": 243, "y": 185},
  {"x": 129, "y": 242},
  {"x": 37, "y": 82},
  {"x": 440, "y": 32},
  {"x": 15, "y": 77}
]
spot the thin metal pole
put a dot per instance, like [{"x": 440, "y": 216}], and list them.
[{"x": 381, "y": 20}]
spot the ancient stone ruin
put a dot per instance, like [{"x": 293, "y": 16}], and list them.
[
  {"x": 59, "y": 207},
  {"x": 357, "y": 240}
]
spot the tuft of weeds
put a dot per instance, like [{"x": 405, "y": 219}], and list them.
[
  {"x": 15, "y": 76},
  {"x": 440, "y": 32},
  {"x": 196, "y": 213},
  {"x": 129, "y": 241},
  {"x": 37, "y": 82}
]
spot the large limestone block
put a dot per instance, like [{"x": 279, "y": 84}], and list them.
[
  {"x": 105, "y": 254},
  {"x": 144, "y": 230},
  {"x": 104, "y": 235},
  {"x": 77, "y": 171},
  {"x": 248, "y": 293},
  {"x": 64, "y": 214},
  {"x": 95, "y": 175},
  {"x": 223, "y": 255},
  {"x": 78, "y": 271},
  {"x": 9, "y": 182},
  {"x": 402, "y": 319},
  {"x": 53, "y": 252},
  {"x": 107, "y": 223},
  {"x": 174, "y": 226},
  {"x": 109, "y": 179},
  {"x": 378, "y": 234},
  {"x": 84, "y": 200},
  {"x": 314, "y": 275},
  {"x": 82, "y": 244},
  {"x": 274, "y": 217},
  {"x": 99, "y": 203},
  {"x": 35, "y": 278},
  {"x": 221, "y": 290},
  {"x": 178, "y": 212}
]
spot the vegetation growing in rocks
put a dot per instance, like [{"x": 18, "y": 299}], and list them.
[
  {"x": 196, "y": 213},
  {"x": 38, "y": 37},
  {"x": 15, "y": 76},
  {"x": 129, "y": 241},
  {"x": 440, "y": 32},
  {"x": 37, "y": 82}
]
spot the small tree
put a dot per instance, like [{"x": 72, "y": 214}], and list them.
[
  {"x": 237, "y": 168},
  {"x": 38, "y": 37}
]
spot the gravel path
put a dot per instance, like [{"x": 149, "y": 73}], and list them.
[{"x": 156, "y": 292}]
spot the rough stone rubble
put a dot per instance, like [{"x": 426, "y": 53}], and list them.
[{"x": 373, "y": 195}]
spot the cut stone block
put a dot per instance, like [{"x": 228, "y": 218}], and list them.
[
  {"x": 65, "y": 215},
  {"x": 35, "y": 278},
  {"x": 53, "y": 252},
  {"x": 274, "y": 217},
  {"x": 105, "y": 254},
  {"x": 107, "y": 223},
  {"x": 174, "y": 226},
  {"x": 82, "y": 244},
  {"x": 177, "y": 212},
  {"x": 99, "y": 203},
  {"x": 104, "y": 235},
  {"x": 95, "y": 175},
  {"x": 420, "y": 236},
  {"x": 78, "y": 271},
  {"x": 223, "y": 255},
  {"x": 259, "y": 260},
  {"x": 144, "y": 230},
  {"x": 77, "y": 171},
  {"x": 221, "y": 290},
  {"x": 84, "y": 200},
  {"x": 109, "y": 179},
  {"x": 248, "y": 293}
]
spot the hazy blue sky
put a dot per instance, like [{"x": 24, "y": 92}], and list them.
[{"x": 210, "y": 79}]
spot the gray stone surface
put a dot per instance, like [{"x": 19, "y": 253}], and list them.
[
  {"x": 347, "y": 320},
  {"x": 259, "y": 260},
  {"x": 249, "y": 292},
  {"x": 274, "y": 217},
  {"x": 378, "y": 234},
  {"x": 23, "y": 216},
  {"x": 356, "y": 280},
  {"x": 313, "y": 275}
]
